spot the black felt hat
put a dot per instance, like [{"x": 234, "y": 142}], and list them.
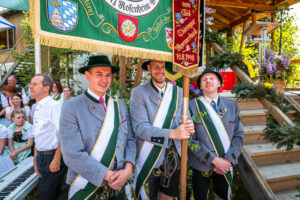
[
  {"x": 209, "y": 71},
  {"x": 144, "y": 65},
  {"x": 98, "y": 61}
]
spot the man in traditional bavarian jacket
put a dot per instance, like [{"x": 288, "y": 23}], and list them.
[
  {"x": 96, "y": 138},
  {"x": 155, "y": 112},
  {"x": 219, "y": 133}
]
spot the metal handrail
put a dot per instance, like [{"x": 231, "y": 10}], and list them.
[{"x": 3, "y": 65}]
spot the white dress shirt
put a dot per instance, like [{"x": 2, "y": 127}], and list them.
[
  {"x": 161, "y": 90},
  {"x": 4, "y": 101},
  {"x": 4, "y": 131},
  {"x": 46, "y": 124},
  {"x": 95, "y": 96},
  {"x": 210, "y": 100}
]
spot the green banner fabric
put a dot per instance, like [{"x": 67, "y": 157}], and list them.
[
  {"x": 134, "y": 28},
  {"x": 22, "y": 5}
]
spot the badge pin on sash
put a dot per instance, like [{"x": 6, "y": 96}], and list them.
[{"x": 222, "y": 112}]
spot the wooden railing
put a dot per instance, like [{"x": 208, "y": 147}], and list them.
[{"x": 256, "y": 184}]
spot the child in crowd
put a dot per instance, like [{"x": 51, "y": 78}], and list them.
[
  {"x": 17, "y": 104},
  {"x": 20, "y": 137}
]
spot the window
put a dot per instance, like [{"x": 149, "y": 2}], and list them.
[{"x": 7, "y": 39}]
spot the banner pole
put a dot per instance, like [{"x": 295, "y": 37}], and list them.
[{"x": 184, "y": 143}]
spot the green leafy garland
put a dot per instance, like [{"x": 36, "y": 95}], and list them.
[
  {"x": 281, "y": 134},
  {"x": 227, "y": 59}
]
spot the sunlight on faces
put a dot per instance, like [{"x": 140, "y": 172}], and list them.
[
  {"x": 11, "y": 81},
  {"x": 37, "y": 90},
  {"x": 54, "y": 88},
  {"x": 156, "y": 68},
  {"x": 209, "y": 83},
  {"x": 99, "y": 79},
  {"x": 67, "y": 92},
  {"x": 19, "y": 119},
  {"x": 16, "y": 101}
]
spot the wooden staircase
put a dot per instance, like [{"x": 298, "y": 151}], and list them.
[{"x": 279, "y": 168}]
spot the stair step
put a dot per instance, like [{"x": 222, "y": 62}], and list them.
[
  {"x": 282, "y": 177},
  {"x": 268, "y": 154},
  {"x": 253, "y": 117},
  {"x": 288, "y": 195},
  {"x": 249, "y": 104},
  {"x": 297, "y": 99},
  {"x": 254, "y": 134}
]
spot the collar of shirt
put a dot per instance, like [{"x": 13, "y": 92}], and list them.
[
  {"x": 209, "y": 99},
  {"x": 95, "y": 96},
  {"x": 159, "y": 90},
  {"x": 44, "y": 100}
]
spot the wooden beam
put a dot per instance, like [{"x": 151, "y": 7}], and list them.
[
  {"x": 215, "y": 27},
  {"x": 278, "y": 115},
  {"x": 234, "y": 4},
  {"x": 232, "y": 11},
  {"x": 295, "y": 61},
  {"x": 246, "y": 18},
  {"x": 139, "y": 73},
  {"x": 241, "y": 20},
  {"x": 243, "y": 38},
  {"x": 290, "y": 2},
  {"x": 122, "y": 71},
  {"x": 222, "y": 18}
]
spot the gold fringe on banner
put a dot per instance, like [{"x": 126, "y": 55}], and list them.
[
  {"x": 185, "y": 70},
  {"x": 172, "y": 77},
  {"x": 84, "y": 44}
]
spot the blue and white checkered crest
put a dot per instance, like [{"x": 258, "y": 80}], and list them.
[{"x": 62, "y": 14}]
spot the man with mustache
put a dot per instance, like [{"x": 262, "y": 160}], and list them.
[
  {"x": 96, "y": 138},
  {"x": 219, "y": 133},
  {"x": 155, "y": 111}
]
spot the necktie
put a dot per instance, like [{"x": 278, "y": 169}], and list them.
[
  {"x": 162, "y": 94},
  {"x": 214, "y": 105},
  {"x": 102, "y": 102}
]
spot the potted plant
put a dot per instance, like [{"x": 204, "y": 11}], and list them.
[{"x": 277, "y": 69}]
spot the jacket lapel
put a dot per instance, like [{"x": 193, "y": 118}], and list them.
[
  {"x": 222, "y": 110},
  {"x": 95, "y": 108}
]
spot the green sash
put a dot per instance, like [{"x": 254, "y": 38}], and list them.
[
  {"x": 104, "y": 151},
  {"x": 216, "y": 132},
  {"x": 150, "y": 153}
]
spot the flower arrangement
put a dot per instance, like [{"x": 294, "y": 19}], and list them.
[
  {"x": 277, "y": 66},
  {"x": 194, "y": 91},
  {"x": 18, "y": 136}
]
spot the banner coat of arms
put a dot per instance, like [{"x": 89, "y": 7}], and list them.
[{"x": 134, "y": 28}]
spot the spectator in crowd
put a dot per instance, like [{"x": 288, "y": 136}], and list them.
[
  {"x": 3, "y": 105},
  {"x": 67, "y": 93},
  {"x": 17, "y": 104},
  {"x": 10, "y": 91},
  {"x": 20, "y": 137},
  {"x": 48, "y": 163},
  {"x": 3, "y": 138},
  {"x": 12, "y": 81},
  {"x": 57, "y": 92}
]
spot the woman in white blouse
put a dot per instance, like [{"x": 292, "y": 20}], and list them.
[
  {"x": 4, "y": 132},
  {"x": 17, "y": 104}
]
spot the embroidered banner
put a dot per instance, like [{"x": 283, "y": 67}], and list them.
[
  {"x": 135, "y": 28},
  {"x": 188, "y": 30}
]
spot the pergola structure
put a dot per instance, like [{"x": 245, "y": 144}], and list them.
[{"x": 238, "y": 13}]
